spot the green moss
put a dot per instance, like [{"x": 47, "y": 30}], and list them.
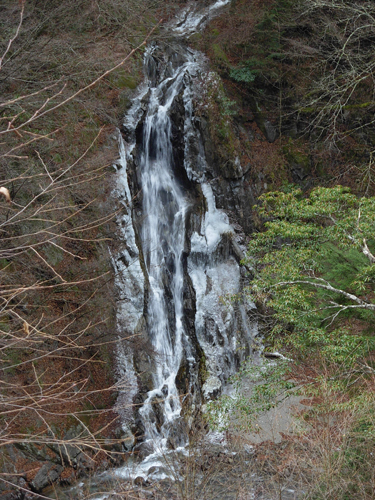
[
  {"x": 203, "y": 372},
  {"x": 296, "y": 158},
  {"x": 107, "y": 357},
  {"x": 359, "y": 106},
  {"x": 57, "y": 158},
  {"x": 13, "y": 358},
  {"x": 4, "y": 263},
  {"x": 123, "y": 80},
  {"x": 220, "y": 56},
  {"x": 124, "y": 102},
  {"x": 219, "y": 111},
  {"x": 53, "y": 255},
  {"x": 195, "y": 39}
]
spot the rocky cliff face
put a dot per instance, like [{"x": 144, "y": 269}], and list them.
[{"x": 167, "y": 136}]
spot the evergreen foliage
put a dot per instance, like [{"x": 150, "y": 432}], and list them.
[{"x": 314, "y": 269}]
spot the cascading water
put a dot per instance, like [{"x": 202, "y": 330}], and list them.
[
  {"x": 178, "y": 258},
  {"x": 163, "y": 239}
]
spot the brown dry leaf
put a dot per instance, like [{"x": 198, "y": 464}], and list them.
[
  {"x": 4, "y": 191},
  {"x": 26, "y": 328}
]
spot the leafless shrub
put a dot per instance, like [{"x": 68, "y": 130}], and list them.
[{"x": 56, "y": 222}]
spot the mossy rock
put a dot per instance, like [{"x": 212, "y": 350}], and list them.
[
  {"x": 4, "y": 263},
  {"x": 124, "y": 80},
  {"x": 220, "y": 56},
  {"x": 124, "y": 101},
  {"x": 182, "y": 376},
  {"x": 321, "y": 170},
  {"x": 299, "y": 163},
  {"x": 203, "y": 372},
  {"x": 53, "y": 255},
  {"x": 195, "y": 39},
  {"x": 33, "y": 452}
]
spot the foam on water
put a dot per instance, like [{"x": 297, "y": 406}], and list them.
[{"x": 193, "y": 18}]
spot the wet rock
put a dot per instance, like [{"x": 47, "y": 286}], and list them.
[
  {"x": 158, "y": 472},
  {"x": 11, "y": 495},
  {"x": 66, "y": 454},
  {"x": 144, "y": 367},
  {"x": 212, "y": 387},
  {"x": 47, "y": 474},
  {"x": 177, "y": 434},
  {"x": 203, "y": 182},
  {"x": 270, "y": 131},
  {"x": 142, "y": 450},
  {"x": 126, "y": 437},
  {"x": 237, "y": 198},
  {"x": 182, "y": 378},
  {"x": 138, "y": 429},
  {"x": 158, "y": 412},
  {"x": 140, "y": 481},
  {"x": 85, "y": 462}
]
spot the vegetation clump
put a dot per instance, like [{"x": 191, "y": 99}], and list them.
[{"x": 313, "y": 282}]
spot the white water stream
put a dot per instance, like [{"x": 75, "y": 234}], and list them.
[
  {"x": 163, "y": 242},
  {"x": 163, "y": 238}
]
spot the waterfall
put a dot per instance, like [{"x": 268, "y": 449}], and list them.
[
  {"x": 163, "y": 238},
  {"x": 178, "y": 258}
]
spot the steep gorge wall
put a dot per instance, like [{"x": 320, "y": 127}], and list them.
[{"x": 212, "y": 248}]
